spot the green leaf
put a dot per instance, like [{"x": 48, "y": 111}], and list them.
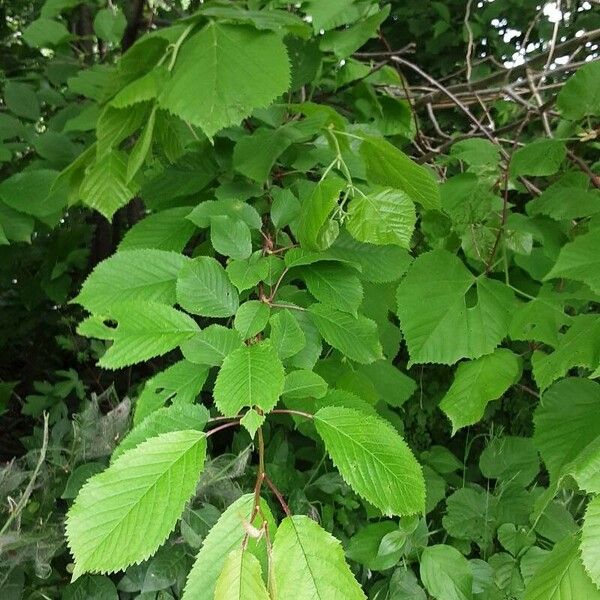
[
  {"x": 109, "y": 24},
  {"x": 578, "y": 347},
  {"x": 561, "y": 575},
  {"x": 142, "y": 147},
  {"x": 389, "y": 167},
  {"x": 30, "y": 192},
  {"x": 304, "y": 384},
  {"x": 335, "y": 285},
  {"x": 246, "y": 274},
  {"x": 446, "y": 573},
  {"x": 580, "y": 95},
  {"x": 476, "y": 152},
  {"x": 131, "y": 275},
  {"x": 44, "y": 33},
  {"x": 145, "y": 330},
  {"x": 180, "y": 384},
  {"x": 364, "y": 546},
  {"x": 585, "y": 468},
  {"x": 211, "y": 345},
  {"x": 393, "y": 386},
  {"x": 22, "y": 100},
  {"x": 441, "y": 320},
  {"x": 177, "y": 417},
  {"x": 566, "y": 421},
  {"x": 250, "y": 376},
  {"x": 165, "y": 230},
  {"x": 590, "y": 541},
  {"x": 580, "y": 260},
  {"x": 356, "y": 337},
  {"x": 381, "y": 218},
  {"x": 78, "y": 477},
  {"x": 91, "y": 587},
  {"x": 105, "y": 186},
  {"x": 142, "y": 89},
  {"x": 251, "y": 318},
  {"x": 315, "y": 230},
  {"x": 230, "y": 237},
  {"x": 510, "y": 459},
  {"x": 251, "y": 421},
  {"x": 476, "y": 383},
  {"x": 470, "y": 515},
  {"x": 225, "y": 537},
  {"x": 217, "y": 55},
  {"x": 286, "y": 335},
  {"x": 241, "y": 578},
  {"x": 203, "y": 288},
  {"x": 540, "y": 158},
  {"x": 236, "y": 209},
  {"x": 144, "y": 490},
  {"x": 373, "y": 459},
  {"x": 309, "y": 563}
]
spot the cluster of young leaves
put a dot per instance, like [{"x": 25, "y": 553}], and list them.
[{"x": 281, "y": 272}]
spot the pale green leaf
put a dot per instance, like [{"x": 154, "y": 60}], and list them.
[
  {"x": 389, "y": 167},
  {"x": 44, "y": 33},
  {"x": 446, "y": 313},
  {"x": 203, "y": 288},
  {"x": 144, "y": 490},
  {"x": 585, "y": 468},
  {"x": 211, "y": 345},
  {"x": 251, "y": 318},
  {"x": 580, "y": 95},
  {"x": 373, "y": 459},
  {"x": 393, "y": 386},
  {"x": 308, "y": 562},
  {"x": 216, "y": 56},
  {"x": 142, "y": 89},
  {"x": 334, "y": 284},
  {"x": 246, "y": 274},
  {"x": 446, "y": 573},
  {"x": 590, "y": 541},
  {"x": 142, "y": 147},
  {"x": 251, "y": 421},
  {"x": 109, "y": 24},
  {"x": 250, "y": 376},
  {"x": 542, "y": 157},
  {"x": 510, "y": 459},
  {"x": 382, "y": 218},
  {"x": 30, "y": 192},
  {"x": 140, "y": 275},
  {"x": 304, "y": 384},
  {"x": 225, "y": 537},
  {"x": 356, "y": 337},
  {"x": 241, "y": 578},
  {"x": 478, "y": 382},
  {"x": 286, "y": 335},
  {"x": 236, "y": 209},
  {"x": 230, "y": 237}
]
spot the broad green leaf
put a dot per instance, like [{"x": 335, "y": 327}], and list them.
[
  {"x": 165, "y": 230},
  {"x": 287, "y": 338},
  {"x": 304, "y": 384},
  {"x": 109, "y": 24},
  {"x": 585, "y": 468},
  {"x": 236, "y": 209},
  {"x": 335, "y": 285},
  {"x": 476, "y": 151},
  {"x": 144, "y": 490},
  {"x": 143, "y": 89},
  {"x": 217, "y": 55},
  {"x": 393, "y": 386},
  {"x": 329, "y": 15},
  {"x": 241, "y": 578},
  {"x": 30, "y": 192},
  {"x": 246, "y": 274},
  {"x": 373, "y": 459},
  {"x": 471, "y": 515},
  {"x": 561, "y": 575},
  {"x": 177, "y": 417},
  {"x": 251, "y": 318},
  {"x": 381, "y": 218},
  {"x": 363, "y": 547},
  {"x": 566, "y": 421},
  {"x": 345, "y": 399},
  {"x": 590, "y": 541},
  {"x": 389, "y": 167},
  {"x": 180, "y": 384},
  {"x": 211, "y": 345},
  {"x": 308, "y": 562},
  {"x": 105, "y": 185},
  {"x": 580, "y": 260},
  {"x": 356, "y": 337},
  {"x": 542, "y": 157},
  {"x": 446, "y": 313},
  {"x": 131, "y": 275},
  {"x": 476, "y": 383},
  {"x": 226, "y": 537},
  {"x": 578, "y": 347},
  {"x": 44, "y": 33},
  {"x": 316, "y": 230},
  {"x": 203, "y": 288},
  {"x": 250, "y": 376},
  {"x": 79, "y": 476},
  {"x": 92, "y": 587},
  {"x": 580, "y": 96},
  {"x": 145, "y": 330},
  {"x": 446, "y": 573},
  {"x": 510, "y": 459},
  {"x": 21, "y": 100},
  {"x": 230, "y": 237}
]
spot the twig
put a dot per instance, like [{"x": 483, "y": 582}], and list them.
[
  {"x": 221, "y": 427},
  {"x": 279, "y": 496},
  {"x": 285, "y": 411},
  {"x": 470, "y": 42}
]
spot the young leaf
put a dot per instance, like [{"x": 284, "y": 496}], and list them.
[
  {"x": 144, "y": 490},
  {"x": 438, "y": 322},
  {"x": 144, "y": 331},
  {"x": 251, "y": 421},
  {"x": 250, "y": 376},
  {"x": 140, "y": 275},
  {"x": 251, "y": 318},
  {"x": 308, "y": 563},
  {"x": 446, "y": 573},
  {"x": 380, "y": 218},
  {"x": 373, "y": 459},
  {"x": 286, "y": 335},
  {"x": 335, "y": 285},
  {"x": 217, "y": 55},
  {"x": 389, "y": 167},
  {"x": 356, "y": 337},
  {"x": 241, "y": 578},
  {"x": 203, "y": 288},
  {"x": 476, "y": 383},
  {"x": 211, "y": 345},
  {"x": 225, "y": 537}
]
